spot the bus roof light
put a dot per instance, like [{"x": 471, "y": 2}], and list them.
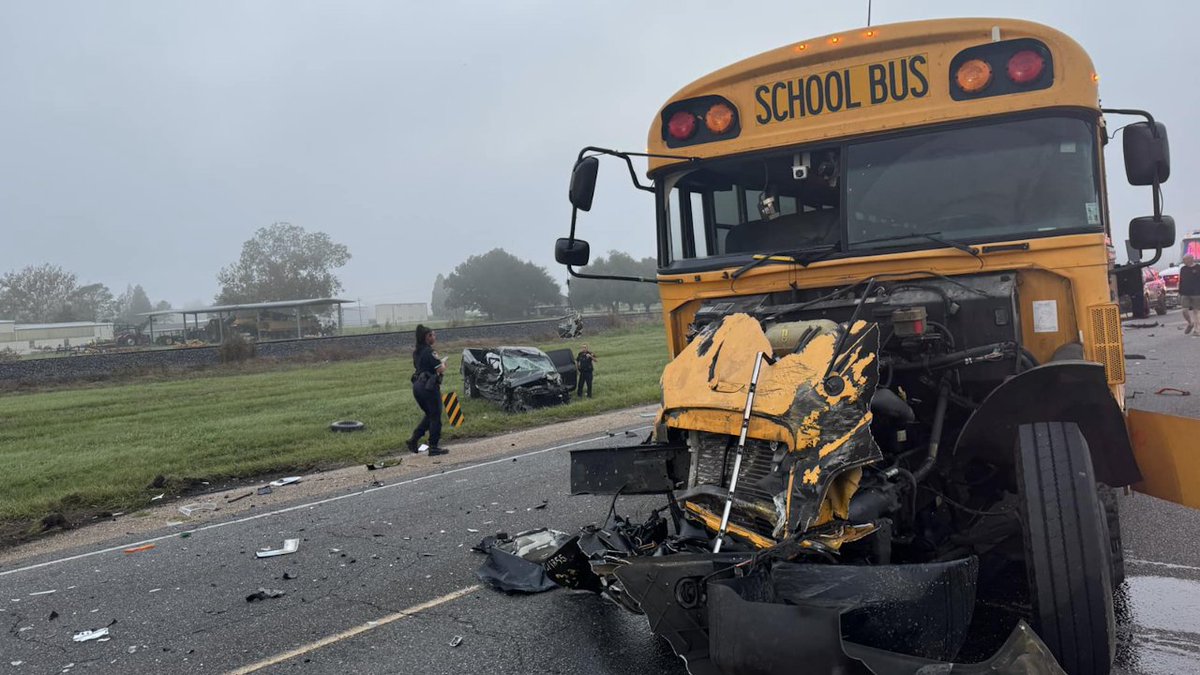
[
  {"x": 682, "y": 125},
  {"x": 719, "y": 118},
  {"x": 973, "y": 76},
  {"x": 1025, "y": 66}
]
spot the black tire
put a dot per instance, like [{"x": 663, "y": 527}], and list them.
[
  {"x": 347, "y": 426},
  {"x": 1067, "y": 554},
  {"x": 1160, "y": 307},
  {"x": 1112, "y": 515}
]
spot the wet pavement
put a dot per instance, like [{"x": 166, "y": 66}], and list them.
[{"x": 384, "y": 580}]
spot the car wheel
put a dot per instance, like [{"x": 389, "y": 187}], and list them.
[
  {"x": 1068, "y": 557},
  {"x": 1160, "y": 307},
  {"x": 347, "y": 425}
]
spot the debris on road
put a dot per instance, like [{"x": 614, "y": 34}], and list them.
[
  {"x": 542, "y": 506},
  {"x": 265, "y": 490},
  {"x": 1150, "y": 324},
  {"x": 43, "y": 592},
  {"x": 516, "y": 564},
  {"x": 240, "y": 497},
  {"x": 290, "y": 480},
  {"x": 87, "y": 635},
  {"x": 139, "y": 549},
  {"x": 288, "y": 576},
  {"x": 289, "y": 546},
  {"x": 53, "y": 616},
  {"x": 197, "y": 507},
  {"x": 158, "y": 497},
  {"x": 456, "y": 641},
  {"x": 1172, "y": 391},
  {"x": 264, "y": 594}
]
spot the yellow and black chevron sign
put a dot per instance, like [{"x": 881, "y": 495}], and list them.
[{"x": 454, "y": 411}]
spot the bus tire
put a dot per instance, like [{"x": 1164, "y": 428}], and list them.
[
  {"x": 1067, "y": 547},
  {"x": 1112, "y": 517}
]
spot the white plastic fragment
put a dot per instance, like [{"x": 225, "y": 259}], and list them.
[
  {"x": 196, "y": 507},
  {"x": 289, "y": 546},
  {"x": 84, "y": 636},
  {"x": 43, "y": 592},
  {"x": 285, "y": 481}
]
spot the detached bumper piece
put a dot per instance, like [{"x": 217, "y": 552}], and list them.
[{"x": 883, "y": 620}]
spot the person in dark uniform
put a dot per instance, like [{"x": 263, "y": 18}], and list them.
[
  {"x": 426, "y": 387},
  {"x": 1189, "y": 293},
  {"x": 585, "y": 360}
]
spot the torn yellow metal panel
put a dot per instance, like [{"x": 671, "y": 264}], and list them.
[
  {"x": 705, "y": 387},
  {"x": 1168, "y": 455}
]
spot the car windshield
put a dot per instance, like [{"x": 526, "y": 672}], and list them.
[
  {"x": 527, "y": 361},
  {"x": 988, "y": 182}
]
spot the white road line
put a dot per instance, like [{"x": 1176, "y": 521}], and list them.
[
  {"x": 307, "y": 505},
  {"x": 1172, "y": 566},
  {"x": 358, "y": 630}
]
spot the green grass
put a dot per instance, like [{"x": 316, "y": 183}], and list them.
[{"x": 98, "y": 448}]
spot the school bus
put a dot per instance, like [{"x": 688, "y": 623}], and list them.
[{"x": 885, "y": 288}]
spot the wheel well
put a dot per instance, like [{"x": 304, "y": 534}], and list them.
[{"x": 1060, "y": 391}]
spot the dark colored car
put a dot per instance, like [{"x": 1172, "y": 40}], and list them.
[{"x": 519, "y": 378}]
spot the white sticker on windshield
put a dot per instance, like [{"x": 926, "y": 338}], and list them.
[
  {"x": 1045, "y": 316},
  {"x": 1066, "y": 148},
  {"x": 1093, "y": 212}
]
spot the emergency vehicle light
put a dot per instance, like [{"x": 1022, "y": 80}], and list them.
[{"x": 719, "y": 118}]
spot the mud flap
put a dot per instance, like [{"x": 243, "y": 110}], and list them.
[
  {"x": 1165, "y": 448},
  {"x": 637, "y": 469}
]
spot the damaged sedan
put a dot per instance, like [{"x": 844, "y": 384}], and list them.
[{"x": 519, "y": 378}]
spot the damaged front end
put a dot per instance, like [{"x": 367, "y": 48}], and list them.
[{"x": 774, "y": 549}]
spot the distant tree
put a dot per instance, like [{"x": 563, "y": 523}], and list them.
[
  {"x": 131, "y": 304},
  {"x": 93, "y": 302},
  {"x": 283, "y": 262},
  {"x": 500, "y": 285},
  {"x": 437, "y": 303},
  {"x": 36, "y": 294},
  {"x": 162, "y": 305},
  {"x": 612, "y": 294}
]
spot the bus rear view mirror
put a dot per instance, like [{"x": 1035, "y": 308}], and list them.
[
  {"x": 1151, "y": 232},
  {"x": 583, "y": 184},
  {"x": 576, "y": 252},
  {"x": 1147, "y": 153}
]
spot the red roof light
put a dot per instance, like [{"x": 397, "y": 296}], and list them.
[
  {"x": 1025, "y": 66},
  {"x": 682, "y": 125}
]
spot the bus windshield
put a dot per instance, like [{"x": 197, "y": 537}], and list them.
[{"x": 1014, "y": 179}]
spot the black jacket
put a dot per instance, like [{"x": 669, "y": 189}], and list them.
[{"x": 1189, "y": 280}]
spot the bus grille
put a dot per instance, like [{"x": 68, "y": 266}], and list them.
[{"x": 1107, "y": 347}]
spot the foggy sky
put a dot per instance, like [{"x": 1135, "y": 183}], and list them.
[{"x": 143, "y": 142}]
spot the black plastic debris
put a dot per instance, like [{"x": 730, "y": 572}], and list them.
[
  {"x": 264, "y": 594},
  {"x": 516, "y": 565}
]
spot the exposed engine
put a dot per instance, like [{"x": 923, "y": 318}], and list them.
[{"x": 943, "y": 345}]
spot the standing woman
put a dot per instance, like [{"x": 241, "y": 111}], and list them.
[{"x": 426, "y": 383}]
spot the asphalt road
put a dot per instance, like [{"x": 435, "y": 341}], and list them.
[{"x": 384, "y": 581}]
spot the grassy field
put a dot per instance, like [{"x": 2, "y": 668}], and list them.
[{"x": 98, "y": 448}]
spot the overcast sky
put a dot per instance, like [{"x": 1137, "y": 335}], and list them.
[{"x": 143, "y": 142}]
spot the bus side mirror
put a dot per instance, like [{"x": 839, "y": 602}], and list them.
[
  {"x": 1147, "y": 153},
  {"x": 1151, "y": 232},
  {"x": 577, "y": 252},
  {"x": 583, "y": 184}
]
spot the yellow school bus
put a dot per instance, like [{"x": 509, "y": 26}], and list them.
[{"x": 885, "y": 287}]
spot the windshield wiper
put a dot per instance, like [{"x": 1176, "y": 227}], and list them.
[
  {"x": 790, "y": 255},
  {"x": 931, "y": 236}
]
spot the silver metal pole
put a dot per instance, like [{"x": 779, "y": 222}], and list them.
[{"x": 741, "y": 447}]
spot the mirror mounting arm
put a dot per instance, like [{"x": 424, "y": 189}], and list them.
[
  {"x": 629, "y": 162},
  {"x": 1117, "y": 269},
  {"x": 617, "y": 277}
]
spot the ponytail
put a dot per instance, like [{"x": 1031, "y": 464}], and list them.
[{"x": 422, "y": 333}]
